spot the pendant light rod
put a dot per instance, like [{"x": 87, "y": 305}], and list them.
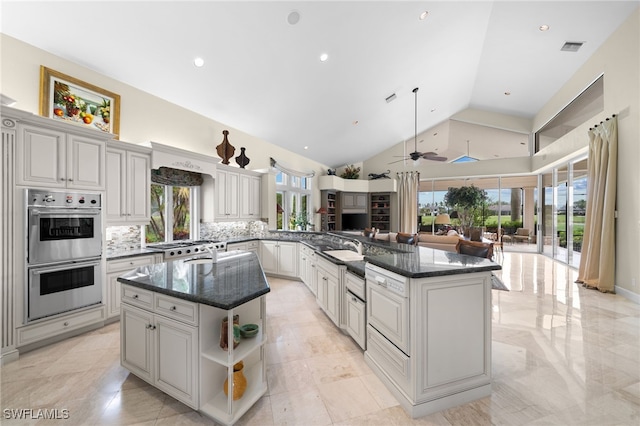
[{"x": 415, "y": 128}]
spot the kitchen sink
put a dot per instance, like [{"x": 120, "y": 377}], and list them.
[{"x": 344, "y": 255}]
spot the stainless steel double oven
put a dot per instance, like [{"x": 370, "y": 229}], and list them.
[{"x": 64, "y": 250}]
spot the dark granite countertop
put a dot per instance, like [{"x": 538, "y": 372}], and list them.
[{"x": 235, "y": 279}]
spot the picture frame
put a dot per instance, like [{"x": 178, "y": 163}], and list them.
[{"x": 66, "y": 98}]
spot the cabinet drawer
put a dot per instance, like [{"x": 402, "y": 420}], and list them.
[
  {"x": 253, "y": 245},
  {"x": 137, "y": 296},
  {"x": 129, "y": 263},
  {"x": 356, "y": 285},
  {"x": 178, "y": 309},
  {"x": 390, "y": 358},
  {"x": 43, "y": 330}
]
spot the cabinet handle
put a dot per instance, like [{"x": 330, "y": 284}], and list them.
[
  {"x": 135, "y": 296},
  {"x": 70, "y": 180},
  {"x": 62, "y": 179},
  {"x": 66, "y": 323},
  {"x": 130, "y": 263},
  {"x": 353, "y": 299},
  {"x": 173, "y": 308}
]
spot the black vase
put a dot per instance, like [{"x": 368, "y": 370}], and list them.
[{"x": 242, "y": 159}]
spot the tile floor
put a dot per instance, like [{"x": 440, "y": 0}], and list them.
[{"x": 562, "y": 355}]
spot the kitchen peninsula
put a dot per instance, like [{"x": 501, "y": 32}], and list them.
[{"x": 171, "y": 322}]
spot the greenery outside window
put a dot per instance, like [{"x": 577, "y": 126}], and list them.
[
  {"x": 293, "y": 200},
  {"x": 172, "y": 208}
]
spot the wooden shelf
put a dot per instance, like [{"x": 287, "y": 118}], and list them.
[{"x": 380, "y": 211}]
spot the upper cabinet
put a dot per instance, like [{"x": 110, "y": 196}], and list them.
[
  {"x": 128, "y": 184},
  {"x": 59, "y": 159},
  {"x": 237, "y": 194},
  {"x": 354, "y": 202}
]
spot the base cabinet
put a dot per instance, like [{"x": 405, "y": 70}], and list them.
[
  {"x": 356, "y": 319},
  {"x": 279, "y": 258},
  {"x": 330, "y": 293},
  {"x": 161, "y": 351},
  {"x": 115, "y": 268},
  {"x": 307, "y": 268}
]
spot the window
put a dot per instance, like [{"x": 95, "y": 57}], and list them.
[
  {"x": 171, "y": 208},
  {"x": 293, "y": 200}
]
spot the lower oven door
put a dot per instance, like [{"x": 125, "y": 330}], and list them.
[{"x": 63, "y": 287}]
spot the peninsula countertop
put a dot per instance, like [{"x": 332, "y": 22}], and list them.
[{"x": 236, "y": 278}]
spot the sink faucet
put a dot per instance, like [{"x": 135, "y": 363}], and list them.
[
  {"x": 356, "y": 244},
  {"x": 213, "y": 252}
]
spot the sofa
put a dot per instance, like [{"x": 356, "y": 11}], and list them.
[{"x": 441, "y": 242}]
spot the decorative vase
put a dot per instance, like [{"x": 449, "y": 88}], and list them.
[
  {"x": 242, "y": 159},
  {"x": 239, "y": 384},
  {"x": 224, "y": 332},
  {"x": 225, "y": 150}
]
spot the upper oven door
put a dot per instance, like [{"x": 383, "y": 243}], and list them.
[{"x": 57, "y": 235}]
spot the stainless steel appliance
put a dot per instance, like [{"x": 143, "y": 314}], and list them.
[
  {"x": 180, "y": 249},
  {"x": 63, "y": 226},
  {"x": 64, "y": 250},
  {"x": 63, "y": 287}
]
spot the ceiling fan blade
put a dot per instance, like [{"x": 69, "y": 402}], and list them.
[
  {"x": 433, "y": 156},
  {"x": 397, "y": 161}
]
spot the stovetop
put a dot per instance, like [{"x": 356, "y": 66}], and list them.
[{"x": 187, "y": 247}]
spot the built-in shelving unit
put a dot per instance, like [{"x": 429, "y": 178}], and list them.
[
  {"x": 216, "y": 364},
  {"x": 329, "y": 201},
  {"x": 380, "y": 210}
]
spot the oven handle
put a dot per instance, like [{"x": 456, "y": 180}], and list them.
[
  {"x": 68, "y": 212},
  {"x": 66, "y": 267}
]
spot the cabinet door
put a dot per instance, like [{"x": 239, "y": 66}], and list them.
[
  {"x": 85, "y": 163},
  {"x": 288, "y": 259},
  {"x": 176, "y": 359},
  {"x": 115, "y": 200},
  {"x": 311, "y": 273},
  {"x": 249, "y": 197},
  {"x": 227, "y": 200},
  {"x": 334, "y": 298},
  {"x": 138, "y": 187},
  {"x": 136, "y": 342},
  {"x": 356, "y": 314},
  {"x": 302, "y": 266},
  {"x": 114, "y": 294},
  {"x": 389, "y": 314},
  {"x": 41, "y": 157},
  {"x": 221, "y": 195},
  {"x": 269, "y": 256},
  {"x": 321, "y": 282},
  {"x": 233, "y": 203}
]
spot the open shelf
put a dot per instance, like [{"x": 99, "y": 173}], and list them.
[{"x": 380, "y": 211}]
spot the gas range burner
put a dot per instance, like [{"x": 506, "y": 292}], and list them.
[{"x": 178, "y": 249}]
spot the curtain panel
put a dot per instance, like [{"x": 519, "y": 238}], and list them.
[
  {"x": 408, "y": 185},
  {"x": 597, "y": 262}
]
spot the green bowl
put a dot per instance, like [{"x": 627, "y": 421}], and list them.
[{"x": 249, "y": 330}]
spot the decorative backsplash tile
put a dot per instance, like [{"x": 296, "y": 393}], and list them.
[
  {"x": 224, "y": 231},
  {"x": 123, "y": 237}
]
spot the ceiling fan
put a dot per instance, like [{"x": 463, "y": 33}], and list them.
[{"x": 416, "y": 155}]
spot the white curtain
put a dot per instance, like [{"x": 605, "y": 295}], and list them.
[
  {"x": 597, "y": 262},
  {"x": 408, "y": 184}
]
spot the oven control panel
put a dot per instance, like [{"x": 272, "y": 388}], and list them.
[{"x": 44, "y": 198}]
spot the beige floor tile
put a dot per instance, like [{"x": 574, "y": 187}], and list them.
[
  {"x": 348, "y": 398},
  {"x": 291, "y": 376},
  {"x": 299, "y": 408}
]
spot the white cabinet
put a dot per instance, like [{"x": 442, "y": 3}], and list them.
[
  {"x": 307, "y": 267},
  {"x": 250, "y": 197},
  {"x": 330, "y": 291},
  {"x": 355, "y": 308},
  {"x": 161, "y": 350},
  {"x": 279, "y": 258},
  {"x": 237, "y": 194},
  {"x": 54, "y": 158},
  {"x": 253, "y": 246},
  {"x": 128, "y": 185},
  {"x": 118, "y": 267},
  {"x": 227, "y": 186}
]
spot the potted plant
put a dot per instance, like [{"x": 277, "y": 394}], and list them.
[
  {"x": 351, "y": 172},
  {"x": 465, "y": 200}
]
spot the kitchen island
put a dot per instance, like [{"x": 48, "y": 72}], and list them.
[{"x": 171, "y": 330}]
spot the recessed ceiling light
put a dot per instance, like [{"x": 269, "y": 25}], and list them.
[
  {"x": 435, "y": 134},
  {"x": 198, "y": 62},
  {"x": 544, "y": 27},
  {"x": 433, "y": 110},
  {"x": 324, "y": 57},
  {"x": 306, "y": 147},
  {"x": 507, "y": 93},
  {"x": 355, "y": 123},
  {"x": 293, "y": 17},
  {"x": 423, "y": 15}
]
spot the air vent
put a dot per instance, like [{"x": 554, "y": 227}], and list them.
[
  {"x": 390, "y": 97},
  {"x": 572, "y": 46}
]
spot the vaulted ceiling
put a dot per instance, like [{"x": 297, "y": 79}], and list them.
[{"x": 262, "y": 71}]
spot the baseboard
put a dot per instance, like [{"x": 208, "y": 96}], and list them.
[
  {"x": 627, "y": 294},
  {"x": 9, "y": 356}
]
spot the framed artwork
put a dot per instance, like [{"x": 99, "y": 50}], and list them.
[{"x": 66, "y": 98}]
